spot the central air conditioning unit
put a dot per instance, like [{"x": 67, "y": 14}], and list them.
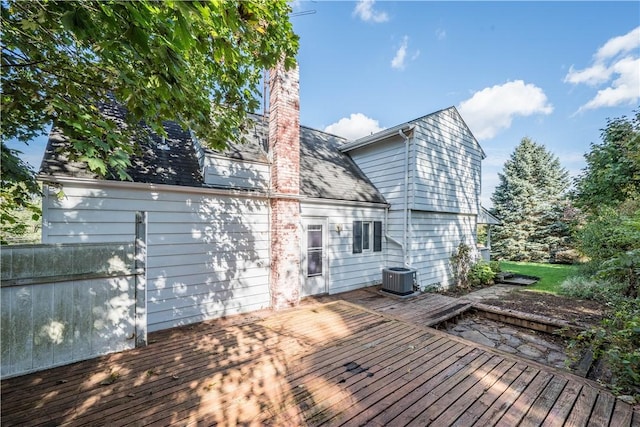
[{"x": 398, "y": 280}]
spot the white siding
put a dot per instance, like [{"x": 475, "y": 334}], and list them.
[
  {"x": 207, "y": 255},
  {"x": 434, "y": 238},
  {"x": 394, "y": 230},
  {"x": 232, "y": 173},
  {"x": 444, "y": 170},
  {"x": 348, "y": 271},
  {"x": 384, "y": 164},
  {"x": 444, "y": 166},
  {"x": 448, "y": 165}
]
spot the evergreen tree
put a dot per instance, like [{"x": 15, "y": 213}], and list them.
[{"x": 530, "y": 200}]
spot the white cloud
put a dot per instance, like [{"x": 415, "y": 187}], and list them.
[
  {"x": 398, "y": 61},
  {"x": 592, "y": 76},
  {"x": 365, "y": 11},
  {"x": 441, "y": 34},
  {"x": 492, "y": 109},
  {"x": 616, "y": 64},
  {"x": 355, "y": 126},
  {"x": 619, "y": 45},
  {"x": 623, "y": 90}
]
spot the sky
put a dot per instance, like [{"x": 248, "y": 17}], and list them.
[{"x": 551, "y": 71}]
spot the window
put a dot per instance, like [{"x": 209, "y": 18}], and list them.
[
  {"x": 367, "y": 236},
  {"x": 314, "y": 250}
]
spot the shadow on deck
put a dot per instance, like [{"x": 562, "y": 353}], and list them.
[{"x": 353, "y": 359}]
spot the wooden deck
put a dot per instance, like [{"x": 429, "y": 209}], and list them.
[
  {"x": 425, "y": 309},
  {"x": 332, "y": 363}
]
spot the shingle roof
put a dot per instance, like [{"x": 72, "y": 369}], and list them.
[
  {"x": 171, "y": 160},
  {"x": 254, "y": 148},
  {"x": 325, "y": 172}
]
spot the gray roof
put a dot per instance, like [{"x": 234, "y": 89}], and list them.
[
  {"x": 325, "y": 172},
  {"x": 171, "y": 160},
  {"x": 254, "y": 145}
]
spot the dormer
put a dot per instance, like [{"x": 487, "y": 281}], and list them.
[{"x": 240, "y": 166}]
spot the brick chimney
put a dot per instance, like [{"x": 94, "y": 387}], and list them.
[{"x": 284, "y": 149}]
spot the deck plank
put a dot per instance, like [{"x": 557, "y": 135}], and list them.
[
  {"x": 364, "y": 400},
  {"x": 622, "y": 416},
  {"x": 507, "y": 398},
  {"x": 337, "y": 392},
  {"x": 328, "y": 362},
  {"x": 523, "y": 403},
  {"x": 427, "y": 394},
  {"x": 341, "y": 407},
  {"x": 579, "y": 415},
  {"x": 563, "y": 405},
  {"x": 490, "y": 396},
  {"x": 543, "y": 403},
  {"x": 387, "y": 408},
  {"x": 461, "y": 406},
  {"x": 602, "y": 410},
  {"x": 424, "y": 412}
]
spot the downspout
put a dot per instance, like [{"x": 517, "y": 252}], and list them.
[{"x": 406, "y": 198}]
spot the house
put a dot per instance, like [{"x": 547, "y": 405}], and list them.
[
  {"x": 293, "y": 212},
  {"x": 486, "y": 219}
]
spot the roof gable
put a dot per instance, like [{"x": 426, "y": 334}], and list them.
[{"x": 406, "y": 128}]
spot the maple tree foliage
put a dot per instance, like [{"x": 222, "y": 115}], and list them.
[{"x": 198, "y": 63}]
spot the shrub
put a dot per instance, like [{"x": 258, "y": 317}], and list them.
[
  {"x": 481, "y": 274},
  {"x": 625, "y": 269},
  {"x": 566, "y": 256},
  {"x": 610, "y": 232},
  {"x": 468, "y": 273},
  {"x": 617, "y": 343},
  {"x": 495, "y": 266},
  {"x": 584, "y": 287},
  {"x": 581, "y": 287}
]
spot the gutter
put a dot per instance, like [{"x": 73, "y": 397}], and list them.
[
  {"x": 131, "y": 185},
  {"x": 92, "y": 182},
  {"x": 370, "y": 139},
  {"x": 316, "y": 200}
]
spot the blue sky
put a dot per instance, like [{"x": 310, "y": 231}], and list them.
[{"x": 551, "y": 71}]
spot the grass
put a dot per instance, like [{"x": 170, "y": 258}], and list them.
[{"x": 551, "y": 275}]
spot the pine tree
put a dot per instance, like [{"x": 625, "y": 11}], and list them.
[{"x": 530, "y": 201}]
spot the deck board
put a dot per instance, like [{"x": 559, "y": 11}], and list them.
[{"x": 368, "y": 360}]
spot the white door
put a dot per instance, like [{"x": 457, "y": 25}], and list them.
[{"x": 314, "y": 265}]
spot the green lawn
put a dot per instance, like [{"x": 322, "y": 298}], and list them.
[{"x": 551, "y": 275}]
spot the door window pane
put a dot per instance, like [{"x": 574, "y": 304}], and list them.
[
  {"x": 314, "y": 236},
  {"x": 314, "y": 263},
  {"x": 314, "y": 250}
]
